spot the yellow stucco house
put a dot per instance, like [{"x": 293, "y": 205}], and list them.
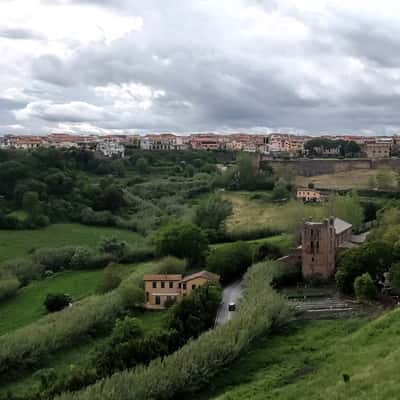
[{"x": 162, "y": 287}]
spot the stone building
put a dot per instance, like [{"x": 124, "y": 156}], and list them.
[
  {"x": 321, "y": 242},
  {"x": 319, "y": 246}
]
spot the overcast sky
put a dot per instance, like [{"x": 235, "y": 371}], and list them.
[{"x": 112, "y": 66}]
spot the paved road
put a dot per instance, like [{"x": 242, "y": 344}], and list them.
[{"x": 231, "y": 294}]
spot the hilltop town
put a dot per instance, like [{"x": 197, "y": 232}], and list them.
[{"x": 274, "y": 144}]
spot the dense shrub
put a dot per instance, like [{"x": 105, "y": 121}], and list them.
[
  {"x": 266, "y": 250},
  {"x": 109, "y": 281},
  {"x": 194, "y": 365},
  {"x": 54, "y": 259},
  {"x": 57, "y": 302},
  {"x": 113, "y": 246},
  {"x": 8, "y": 287},
  {"x": 24, "y": 269},
  {"x": 248, "y": 234},
  {"x": 98, "y": 218},
  {"x": 135, "y": 255},
  {"x": 364, "y": 287},
  {"x": 230, "y": 261}
]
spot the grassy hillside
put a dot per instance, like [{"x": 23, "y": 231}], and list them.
[
  {"x": 252, "y": 210},
  {"x": 15, "y": 244},
  {"x": 309, "y": 361},
  {"x": 356, "y": 179}
]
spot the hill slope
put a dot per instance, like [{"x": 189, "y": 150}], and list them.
[{"x": 310, "y": 360}]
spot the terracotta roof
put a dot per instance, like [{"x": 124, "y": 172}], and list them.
[
  {"x": 162, "y": 277},
  {"x": 202, "y": 274}
]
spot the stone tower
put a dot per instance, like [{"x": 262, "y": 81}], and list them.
[{"x": 318, "y": 249}]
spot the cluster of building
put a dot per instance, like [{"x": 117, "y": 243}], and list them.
[{"x": 275, "y": 144}]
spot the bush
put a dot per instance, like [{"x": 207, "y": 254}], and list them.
[
  {"x": 24, "y": 269},
  {"x": 108, "y": 282},
  {"x": 55, "y": 259},
  {"x": 230, "y": 261},
  {"x": 172, "y": 265},
  {"x": 8, "y": 287},
  {"x": 266, "y": 250},
  {"x": 113, "y": 246},
  {"x": 57, "y": 302},
  {"x": 364, "y": 288},
  {"x": 135, "y": 255}
]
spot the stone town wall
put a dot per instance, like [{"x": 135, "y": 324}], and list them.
[{"x": 312, "y": 167}]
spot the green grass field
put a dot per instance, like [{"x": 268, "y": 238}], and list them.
[
  {"x": 27, "y": 305},
  {"x": 15, "y": 244},
  {"x": 308, "y": 362}
]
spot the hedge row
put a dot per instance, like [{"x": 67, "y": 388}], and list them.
[
  {"x": 29, "y": 346},
  {"x": 195, "y": 364}
]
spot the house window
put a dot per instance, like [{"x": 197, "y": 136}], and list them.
[
  {"x": 179, "y": 285},
  {"x": 184, "y": 286},
  {"x": 171, "y": 285},
  {"x": 154, "y": 285},
  {"x": 162, "y": 285},
  {"x": 193, "y": 286},
  {"x": 147, "y": 297},
  {"x": 158, "y": 300}
]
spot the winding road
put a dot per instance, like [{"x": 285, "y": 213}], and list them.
[{"x": 231, "y": 294}]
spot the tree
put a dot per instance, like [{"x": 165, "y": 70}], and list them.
[
  {"x": 374, "y": 257},
  {"x": 364, "y": 287},
  {"x": 395, "y": 275},
  {"x": 346, "y": 207},
  {"x": 56, "y": 302},
  {"x": 230, "y": 261},
  {"x": 142, "y": 166},
  {"x": 172, "y": 265},
  {"x": 112, "y": 198},
  {"x": 311, "y": 185},
  {"x": 108, "y": 282},
  {"x": 182, "y": 240},
  {"x": 280, "y": 191},
  {"x": 212, "y": 213},
  {"x": 384, "y": 179},
  {"x": 30, "y": 202},
  {"x": 196, "y": 313}
]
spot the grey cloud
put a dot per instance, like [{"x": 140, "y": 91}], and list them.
[
  {"x": 217, "y": 74},
  {"x": 20, "y": 34}
]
